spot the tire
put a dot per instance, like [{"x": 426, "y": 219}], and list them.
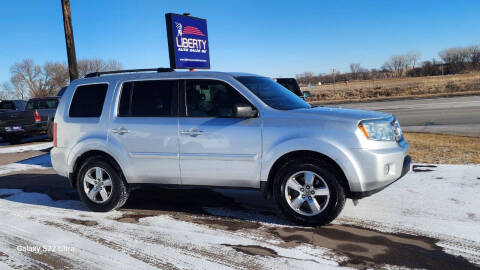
[
  {"x": 118, "y": 194},
  {"x": 318, "y": 209},
  {"x": 50, "y": 131},
  {"x": 13, "y": 139}
]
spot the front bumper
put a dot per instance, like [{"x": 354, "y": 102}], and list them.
[{"x": 407, "y": 164}]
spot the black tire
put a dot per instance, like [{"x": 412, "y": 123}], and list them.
[
  {"x": 50, "y": 131},
  {"x": 119, "y": 193},
  {"x": 323, "y": 169},
  {"x": 14, "y": 139}
]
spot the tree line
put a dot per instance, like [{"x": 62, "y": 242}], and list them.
[
  {"x": 452, "y": 61},
  {"x": 28, "y": 79}
]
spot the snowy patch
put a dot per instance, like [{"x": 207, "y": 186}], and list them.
[
  {"x": 441, "y": 200},
  {"x": 36, "y": 163},
  {"x": 25, "y": 148}
]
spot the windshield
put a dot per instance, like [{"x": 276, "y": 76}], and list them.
[{"x": 272, "y": 93}]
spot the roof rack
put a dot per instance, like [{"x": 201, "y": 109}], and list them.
[{"x": 99, "y": 73}]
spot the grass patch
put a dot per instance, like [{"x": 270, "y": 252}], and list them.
[
  {"x": 396, "y": 88},
  {"x": 443, "y": 149}
]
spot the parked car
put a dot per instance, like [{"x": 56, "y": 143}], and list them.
[
  {"x": 116, "y": 133},
  {"x": 292, "y": 85},
  {"x": 33, "y": 120},
  {"x": 11, "y": 105}
]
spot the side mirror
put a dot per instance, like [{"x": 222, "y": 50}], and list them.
[
  {"x": 306, "y": 94},
  {"x": 243, "y": 110}
]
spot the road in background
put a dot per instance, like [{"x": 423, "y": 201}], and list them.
[{"x": 454, "y": 115}]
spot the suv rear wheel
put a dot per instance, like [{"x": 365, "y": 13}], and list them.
[
  {"x": 100, "y": 186},
  {"x": 308, "y": 192}
]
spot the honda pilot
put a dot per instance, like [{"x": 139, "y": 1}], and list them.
[{"x": 116, "y": 132}]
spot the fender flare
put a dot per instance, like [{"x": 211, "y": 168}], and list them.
[
  {"x": 341, "y": 155},
  {"x": 95, "y": 144}
]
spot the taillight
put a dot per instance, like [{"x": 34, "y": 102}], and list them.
[
  {"x": 36, "y": 115},
  {"x": 54, "y": 134}
]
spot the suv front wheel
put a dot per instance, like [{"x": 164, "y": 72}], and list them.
[
  {"x": 100, "y": 185},
  {"x": 308, "y": 192}
]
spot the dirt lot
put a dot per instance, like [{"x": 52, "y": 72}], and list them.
[
  {"x": 401, "y": 88},
  {"x": 232, "y": 229}
]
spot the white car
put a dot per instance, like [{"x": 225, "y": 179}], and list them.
[{"x": 116, "y": 132}]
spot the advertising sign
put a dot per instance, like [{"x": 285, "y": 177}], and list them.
[{"x": 187, "y": 42}]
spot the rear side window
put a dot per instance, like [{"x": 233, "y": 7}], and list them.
[
  {"x": 88, "y": 100},
  {"x": 148, "y": 99}
]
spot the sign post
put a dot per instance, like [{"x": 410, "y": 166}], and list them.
[{"x": 187, "y": 42}]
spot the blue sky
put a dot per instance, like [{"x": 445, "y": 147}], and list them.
[{"x": 273, "y": 38}]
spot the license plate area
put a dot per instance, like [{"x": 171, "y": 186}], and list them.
[{"x": 14, "y": 128}]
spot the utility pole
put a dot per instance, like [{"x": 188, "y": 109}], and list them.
[
  {"x": 334, "y": 73},
  {"x": 67, "y": 26}
]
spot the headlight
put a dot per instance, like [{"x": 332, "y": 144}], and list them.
[{"x": 381, "y": 129}]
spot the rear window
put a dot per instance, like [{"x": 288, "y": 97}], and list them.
[
  {"x": 42, "y": 104},
  {"x": 292, "y": 85},
  {"x": 148, "y": 99},
  {"x": 7, "y": 105},
  {"x": 88, "y": 100}
]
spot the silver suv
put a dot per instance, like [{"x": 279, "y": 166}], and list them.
[{"x": 114, "y": 133}]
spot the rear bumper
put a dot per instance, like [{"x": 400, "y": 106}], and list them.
[
  {"x": 59, "y": 164},
  {"x": 26, "y": 129},
  {"x": 407, "y": 164}
]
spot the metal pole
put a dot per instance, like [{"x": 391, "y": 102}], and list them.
[{"x": 67, "y": 26}]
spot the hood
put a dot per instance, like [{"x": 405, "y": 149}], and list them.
[{"x": 343, "y": 114}]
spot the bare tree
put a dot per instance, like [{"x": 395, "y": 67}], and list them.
[
  {"x": 474, "y": 56},
  {"x": 395, "y": 64},
  {"x": 56, "y": 74},
  {"x": 306, "y": 77},
  {"x": 456, "y": 58},
  {"x": 412, "y": 58},
  {"x": 31, "y": 80},
  {"x": 6, "y": 91},
  {"x": 86, "y": 66},
  {"x": 355, "y": 69}
]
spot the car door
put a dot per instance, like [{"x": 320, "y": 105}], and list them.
[
  {"x": 217, "y": 148},
  {"x": 145, "y": 127}
]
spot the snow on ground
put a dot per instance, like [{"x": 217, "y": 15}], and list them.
[
  {"x": 24, "y": 148},
  {"x": 39, "y": 162},
  {"x": 443, "y": 199},
  {"x": 440, "y": 201},
  {"x": 31, "y": 219}
]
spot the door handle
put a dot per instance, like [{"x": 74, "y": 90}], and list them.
[
  {"x": 120, "y": 130},
  {"x": 194, "y": 132}
]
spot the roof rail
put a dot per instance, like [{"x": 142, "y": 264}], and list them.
[{"x": 99, "y": 73}]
